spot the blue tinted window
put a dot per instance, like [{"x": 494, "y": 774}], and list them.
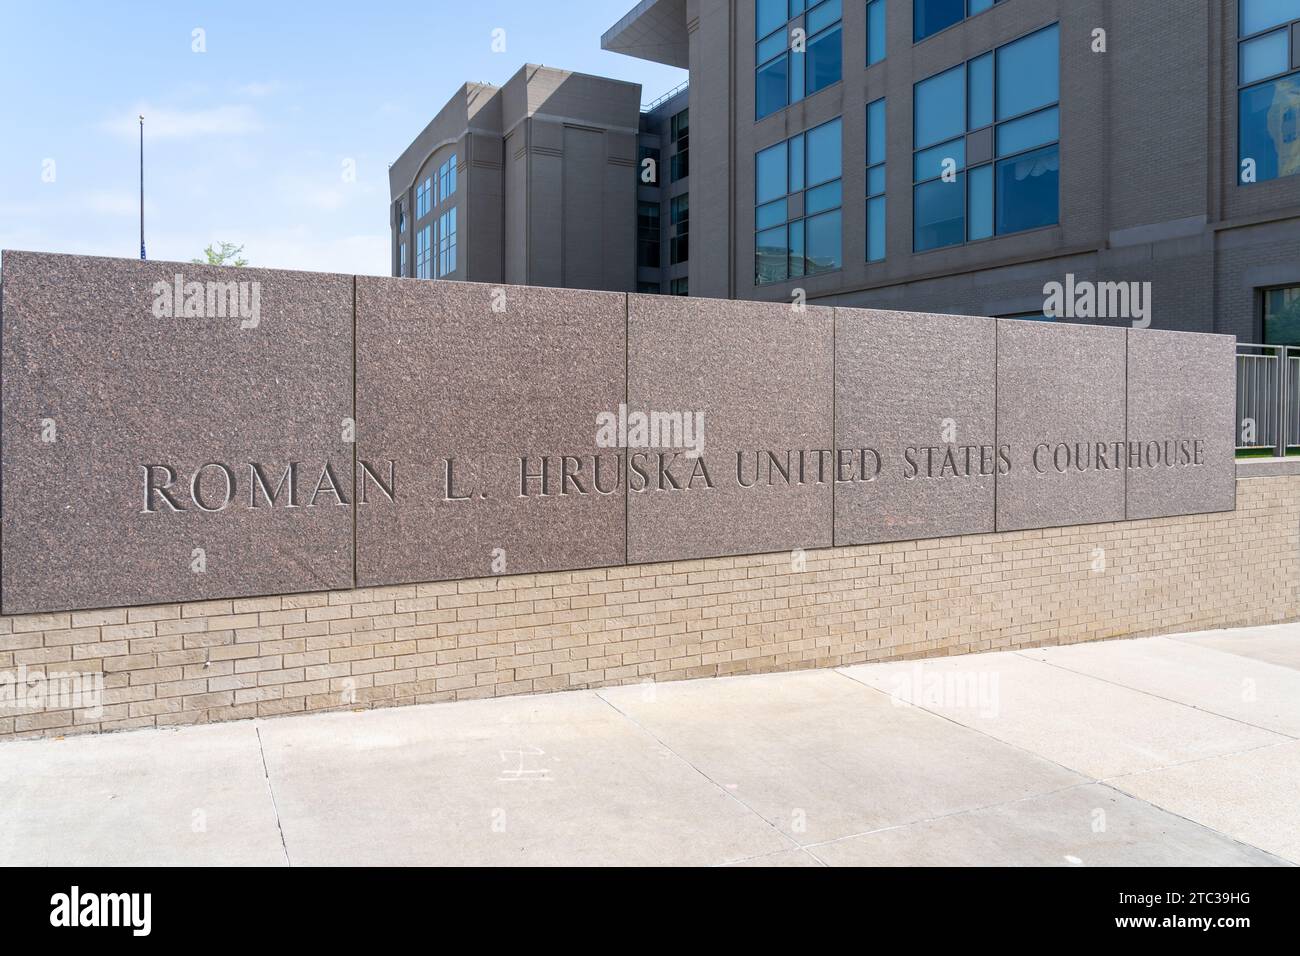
[
  {"x": 824, "y": 153},
  {"x": 875, "y": 31},
  {"x": 1029, "y": 73},
  {"x": 931, "y": 16},
  {"x": 929, "y": 163},
  {"x": 797, "y": 251},
  {"x": 822, "y": 16},
  {"x": 784, "y": 76},
  {"x": 981, "y": 91},
  {"x": 771, "y": 256},
  {"x": 979, "y": 203},
  {"x": 823, "y": 243},
  {"x": 770, "y": 176},
  {"x": 1028, "y": 132},
  {"x": 824, "y": 61},
  {"x": 770, "y": 88},
  {"x": 1265, "y": 56},
  {"x": 876, "y": 229},
  {"x": 1259, "y": 15},
  {"x": 1269, "y": 117},
  {"x": 824, "y": 197},
  {"x": 876, "y": 132},
  {"x": 876, "y": 180},
  {"x": 1014, "y": 89},
  {"x": 783, "y": 249},
  {"x": 770, "y": 15},
  {"x": 772, "y": 46},
  {"x": 876, "y": 154},
  {"x": 774, "y": 213},
  {"x": 940, "y": 107},
  {"x": 939, "y": 214},
  {"x": 1028, "y": 190},
  {"x": 979, "y": 6}
]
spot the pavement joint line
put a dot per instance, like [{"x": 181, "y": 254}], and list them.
[
  {"x": 1005, "y": 743},
  {"x": 1180, "y": 703},
  {"x": 768, "y": 856},
  {"x": 1188, "y": 763},
  {"x": 1198, "y": 823},
  {"x": 1284, "y": 741},
  {"x": 270, "y": 790},
  {"x": 794, "y": 844}
]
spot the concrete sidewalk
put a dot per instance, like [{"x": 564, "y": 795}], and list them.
[{"x": 1165, "y": 751}]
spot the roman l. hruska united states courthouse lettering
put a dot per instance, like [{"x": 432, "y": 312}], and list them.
[{"x": 271, "y": 432}]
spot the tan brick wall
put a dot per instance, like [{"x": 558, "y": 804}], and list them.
[{"x": 258, "y": 657}]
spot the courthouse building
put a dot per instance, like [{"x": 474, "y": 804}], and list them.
[{"x": 931, "y": 155}]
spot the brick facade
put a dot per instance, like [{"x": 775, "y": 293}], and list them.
[{"x": 260, "y": 657}]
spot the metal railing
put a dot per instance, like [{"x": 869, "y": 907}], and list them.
[
  {"x": 650, "y": 107},
  {"x": 1268, "y": 397}
]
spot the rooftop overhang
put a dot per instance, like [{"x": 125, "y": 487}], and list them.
[{"x": 653, "y": 30}]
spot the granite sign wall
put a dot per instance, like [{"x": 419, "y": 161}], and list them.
[{"x": 174, "y": 432}]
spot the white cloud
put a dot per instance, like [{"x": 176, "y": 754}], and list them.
[{"x": 185, "y": 124}]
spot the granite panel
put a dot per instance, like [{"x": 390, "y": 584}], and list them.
[
  {"x": 134, "y": 419},
  {"x": 1181, "y": 414},
  {"x": 1061, "y": 417},
  {"x": 485, "y": 377},
  {"x": 914, "y": 397},
  {"x": 758, "y": 380}
]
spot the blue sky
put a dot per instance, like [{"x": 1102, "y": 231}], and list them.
[{"x": 248, "y": 141}]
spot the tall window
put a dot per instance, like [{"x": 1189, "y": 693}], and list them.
[
  {"x": 931, "y": 16},
  {"x": 424, "y": 198},
  {"x": 790, "y": 65},
  {"x": 647, "y": 235},
  {"x": 1282, "y": 316},
  {"x": 401, "y": 258},
  {"x": 447, "y": 242},
  {"x": 424, "y": 252},
  {"x": 1268, "y": 66},
  {"x": 679, "y": 215},
  {"x": 797, "y": 206},
  {"x": 447, "y": 179},
  {"x": 875, "y": 31},
  {"x": 681, "y": 136},
  {"x": 986, "y": 157},
  {"x": 876, "y": 181}
]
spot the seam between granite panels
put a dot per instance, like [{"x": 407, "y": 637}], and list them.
[
  {"x": 997, "y": 422},
  {"x": 2, "y": 470},
  {"x": 1128, "y": 357},
  {"x": 626, "y": 452},
  {"x": 835, "y": 438},
  {"x": 356, "y": 437}
]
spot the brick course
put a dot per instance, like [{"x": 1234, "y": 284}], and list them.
[{"x": 378, "y": 647}]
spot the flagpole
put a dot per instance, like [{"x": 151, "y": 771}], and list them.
[{"x": 142, "y": 255}]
